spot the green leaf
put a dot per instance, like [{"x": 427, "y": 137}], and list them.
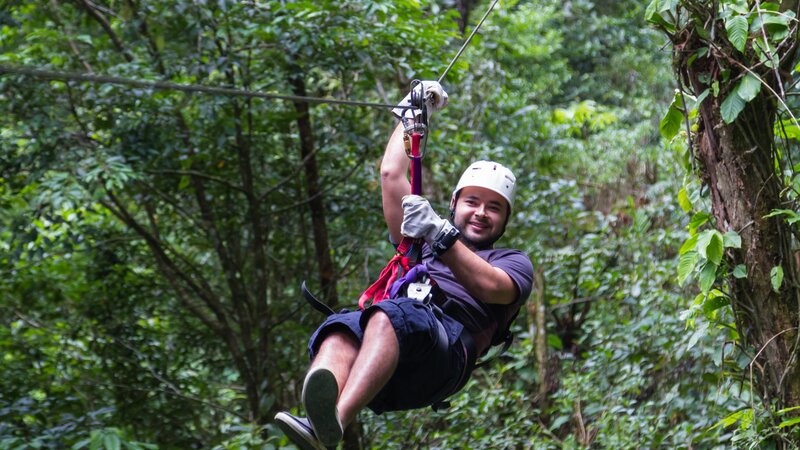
[
  {"x": 736, "y": 27},
  {"x": 777, "y": 212},
  {"x": 790, "y": 422},
  {"x": 701, "y": 331},
  {"x": 731, "y": 239},
  {"x": 715, "y": 248},
  {"x": 671, "y": 122},
  {"x": 790, "y": 409},
  {"x": 774, "y": 22},
  {"x": 714, "y": 303},
  {"x": 80, "y": 444},
  {"x": 748, "y": 87},
  {"x": 709, "y": 245},
  {"x": 732, "y": 106},
  {"x": 699, "y": 53},
  {"x": 697, "y": 221},
  {"x": 736, "y": 6},
  {"x": 683, "y": 200},
  {"x": 96, "y": 442},
  {"x": 793, "y": 215},
  {"x": 711, "y": 378},
  {"x": 776, "y": 278},
  {"x": 770, "y": 6},
  {"x": 555, "y": 342},
  {"x": 689, "y": 245},
  {"x": 111, "y": 441},
  {"x": 184, "y": 183},
  {"x": 708, "y": 274},
  {"x": 653, "y": 13},
  {"x": 701, "y": 31},
  {"x": 733, "y": 418},
  {"x": 768, "y": 55},
  {"x": 699, "y": 100},
  {"x": 686, "y": 264},
  {"x": 740, "y": 271},
  {"x": 787, "y": 129}
]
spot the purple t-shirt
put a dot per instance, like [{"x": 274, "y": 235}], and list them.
[{"x": 479, "y": 318}]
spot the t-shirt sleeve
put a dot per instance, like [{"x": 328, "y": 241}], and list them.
[{"x": 519, "y": 267}]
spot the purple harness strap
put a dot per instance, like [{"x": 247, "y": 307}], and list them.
[{"x": 411, "y": 276}]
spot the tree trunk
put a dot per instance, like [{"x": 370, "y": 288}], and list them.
[
  {"x": 538, "y": 333},
  {"x": 327, "y": 275},
  {"x": 737, "y": 164},
  {"x": 464, "y": 8}
]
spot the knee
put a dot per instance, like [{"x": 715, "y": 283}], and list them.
[
  {"x": 379, "y": 321},
  {"x": 340, "y": 339}
]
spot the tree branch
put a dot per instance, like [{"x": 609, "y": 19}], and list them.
[
  {"x": 194, "y": 173},
  {"x": 96, "y": 15}
]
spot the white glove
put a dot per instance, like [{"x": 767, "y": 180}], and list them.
[
  {"x": 435, "y": 99},
  {"x": 419, "y": 219}
]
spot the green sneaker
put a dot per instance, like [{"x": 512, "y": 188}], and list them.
[{"x": 320, "y": 393}]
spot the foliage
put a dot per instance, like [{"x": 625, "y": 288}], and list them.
[{"x": 102, "y": 348}]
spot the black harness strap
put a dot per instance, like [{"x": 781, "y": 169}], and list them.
[{"x": 315, "y": 302}]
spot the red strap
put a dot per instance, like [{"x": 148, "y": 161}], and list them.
[
  {"x": 405, "y": 245},
  {"x": 379, "y": 291}
]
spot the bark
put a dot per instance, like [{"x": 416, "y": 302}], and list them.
[
  {"x": 464, "y": 8},
  {"x": 537, "y": 320},
  {"x": 737, "y": 165},
  {"x": 327, "y": 274}
]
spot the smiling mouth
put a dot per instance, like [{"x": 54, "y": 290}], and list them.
[{"x": 479, "y": 225}]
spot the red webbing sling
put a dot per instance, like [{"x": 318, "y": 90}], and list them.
[{"x": 409, "y": 250}]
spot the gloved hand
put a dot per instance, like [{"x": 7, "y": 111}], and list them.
[
  {"x": 435, "y": 99},
  {"x": 419, "y": 219}
]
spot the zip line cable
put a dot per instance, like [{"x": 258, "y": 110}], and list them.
[
  {"x": 461, "y": 50},
  {"x": 46, "y": 74},
  {"x": 166, "y": 85}
]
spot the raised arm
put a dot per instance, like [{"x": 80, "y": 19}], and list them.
[
  {"x": 394, "y": 167},
  {"x": 394, "y": 182}
]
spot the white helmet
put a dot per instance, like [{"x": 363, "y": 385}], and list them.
[{"x": 490, "y": 175}]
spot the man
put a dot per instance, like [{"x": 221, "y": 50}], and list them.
[{"x": 403, "y": 353}]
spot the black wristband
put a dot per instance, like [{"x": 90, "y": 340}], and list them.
[{"x": 444, "y": 240}]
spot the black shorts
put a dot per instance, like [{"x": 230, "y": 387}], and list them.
[{"x": 428, "y": 371}]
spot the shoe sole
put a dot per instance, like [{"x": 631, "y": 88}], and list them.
[
  {"x": 296, "y": 437},
  {"x": 320, "y": 392}
]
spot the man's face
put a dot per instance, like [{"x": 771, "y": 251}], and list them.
[{"x": 480, "y": 216}]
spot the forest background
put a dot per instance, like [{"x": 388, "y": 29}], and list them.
[{"x": 153, "y": 241}]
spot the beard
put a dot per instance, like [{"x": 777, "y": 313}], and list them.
[{"x": 483, "y": 243}]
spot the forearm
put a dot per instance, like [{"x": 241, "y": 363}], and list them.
[
  {"x": 395, "y": 162},
  {"x": 485, "y": 282},
  {"x": 394, "y": 181}
]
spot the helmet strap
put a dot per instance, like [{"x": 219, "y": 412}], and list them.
[{"x": 453, "y": 201}]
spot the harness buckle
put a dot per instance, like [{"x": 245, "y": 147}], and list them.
[{"x": 420, "y": 292}]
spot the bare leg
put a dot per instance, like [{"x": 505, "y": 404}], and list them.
[
  {"x": 376, "y": 362},
  {"x": 337, "y": 353}
]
